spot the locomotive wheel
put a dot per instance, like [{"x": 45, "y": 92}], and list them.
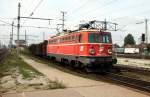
[
  {"x": 87, "y": 70},
  {"x": 72, "y": 63},
  {"x": 78, "y": 65},
  {"x": 81, "y": 65}
]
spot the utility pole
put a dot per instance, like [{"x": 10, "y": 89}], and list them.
[
  {"x": 43, "y": 36},
  {"x": 63, "y": 19},
  {"x": 25, "y": 38},
  {"x": 105, "y": 24},
  {"x": 146, "y": 31},
  {"x": 11, "y": 36},
  {"x": 18, "y": 27},
  {"x": 10, "y": 43},
  {"x": 12, "y": 31}
]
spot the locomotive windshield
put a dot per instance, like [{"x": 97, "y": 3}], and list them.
[{"x": 99, "y": 38}]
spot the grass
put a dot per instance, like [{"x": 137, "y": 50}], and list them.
[{"x": 14, "y": 61}]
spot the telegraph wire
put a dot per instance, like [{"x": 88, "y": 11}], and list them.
[
  {"x": 8, "y": 24},
  {"x": 7, "y": 18},
  {"x": 38, "y": 27},
  {"x": 5, "y": 22}
]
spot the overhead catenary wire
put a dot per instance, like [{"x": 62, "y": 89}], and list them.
[
  {"x": 84, "y": 14},
  {"x": 36, "y": 7},
  {"x": 122, "y": 10},
  {"x": 81, "y": 6},
  {"x": 107, "y": 5},
  {"x": 90, "y": 13},
  {"x": 31, "y": 14},
  {"x": 29, "y": 6}
]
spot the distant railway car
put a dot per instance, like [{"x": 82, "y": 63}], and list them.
[
  {"x": 131, "y": 50},
  {"x": 119, "y": 50},
  {"x": 44, "y": 48},
  {"x": 32, "y": 48},
  {"x": 39, "y": 49},
  {"x": 89, "y": 49}
]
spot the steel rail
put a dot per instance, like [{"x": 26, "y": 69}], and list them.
[{"x": 136, "y": 83}]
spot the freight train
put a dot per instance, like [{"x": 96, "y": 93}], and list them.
[{"x": 90, "y": 49}]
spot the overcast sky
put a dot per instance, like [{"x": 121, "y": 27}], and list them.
[{"x": 127, "y": 13}]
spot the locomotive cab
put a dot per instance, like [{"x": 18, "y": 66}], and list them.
[
  {"x": 103, "y": 41},
  {"x": 97, "y": 49}
]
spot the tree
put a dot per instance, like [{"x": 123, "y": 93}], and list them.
[
  {"x": 129, "y": 39},
  {"x": 116, "y": 45}
]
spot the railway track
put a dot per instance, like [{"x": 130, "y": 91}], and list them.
[
  {"x": 3, "y": 53},
  {"x": 140, "y": 70},
  {"x": 134, "y": 56},
  {"x": 131, "y": 82}
]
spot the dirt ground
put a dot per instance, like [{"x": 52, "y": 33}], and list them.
[{"x": 15, "y": 82}]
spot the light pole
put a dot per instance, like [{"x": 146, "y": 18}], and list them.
[{"x": 146, "y": 29}]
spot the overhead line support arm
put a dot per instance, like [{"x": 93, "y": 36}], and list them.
[{"x": 36, "y": 18}]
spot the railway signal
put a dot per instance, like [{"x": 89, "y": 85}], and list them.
[
  {"x": 143, "y": 38},
  {"x": 146, "y": 30}
]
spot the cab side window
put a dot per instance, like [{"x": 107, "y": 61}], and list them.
[{"x": 80, "y": 38}]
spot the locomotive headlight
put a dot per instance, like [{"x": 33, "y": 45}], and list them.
[
  {"x": 101, "y": 48},
  {"x": 110, "y": 51},
  {"x": 92, "y": 51}
]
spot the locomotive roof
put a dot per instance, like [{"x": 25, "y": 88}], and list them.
[{"x": 77, "y": 31}]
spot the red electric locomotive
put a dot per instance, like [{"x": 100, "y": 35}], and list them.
[{"x": 91, "y": 49}]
